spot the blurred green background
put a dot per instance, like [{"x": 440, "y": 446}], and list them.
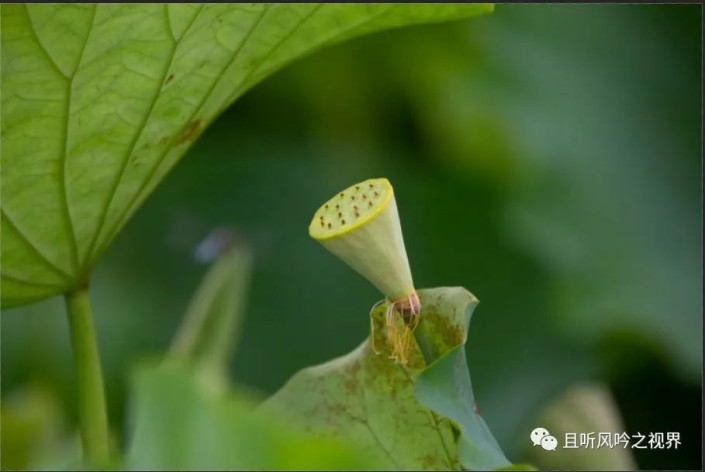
[{"x": 546, "y": 157}]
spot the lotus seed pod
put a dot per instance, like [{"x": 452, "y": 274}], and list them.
[{"x": 361, "y": 226}]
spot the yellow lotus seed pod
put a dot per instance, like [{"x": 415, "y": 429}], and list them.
[{"x": 361, "y": 226}]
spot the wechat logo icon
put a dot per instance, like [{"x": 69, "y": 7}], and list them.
[{"x": 541, "y": 437}]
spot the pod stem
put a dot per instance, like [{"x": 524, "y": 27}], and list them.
[{"x": 93, "y": 419}]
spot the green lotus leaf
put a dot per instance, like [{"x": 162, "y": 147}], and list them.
[{"x": 99, "y": 101}]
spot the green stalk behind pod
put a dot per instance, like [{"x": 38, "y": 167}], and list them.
[{"x": 361, "y": 226}]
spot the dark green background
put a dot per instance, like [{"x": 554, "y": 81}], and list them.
[{"x": 546, "y": 157}]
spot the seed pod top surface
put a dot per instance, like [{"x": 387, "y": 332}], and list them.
[
  {"x": 350, "y": 208},
  {"x": 361, "y": 226}
]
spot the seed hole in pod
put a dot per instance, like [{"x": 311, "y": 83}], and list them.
[
  {"x": 343, "y": 221},
  {"x": 337, "y": 207},
  {"x": 364, "y": 197},
  {"x": 372, "y": 186},
  {"x": 340, "y": 214},
  {"x": 342, "y": 194},
  {"x": 357, "y": 214},
  {"x": 353, "y": 197},
  {"x": 355, "y": 207},
  {"x": 370, "y": 203},
  {"x": 376, "y": 194},
  {"x": 328, "y": 225},
  {"x": 357, "y": 187},
  {"x": 326, "y": 206}
]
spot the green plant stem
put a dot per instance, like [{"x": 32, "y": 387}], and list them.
[{"x": 92, "y": 415}]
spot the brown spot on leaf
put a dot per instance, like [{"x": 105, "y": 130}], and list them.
[
  {"x": 350, "y": 385},
  {"x": 476, "y": 409},
  {"x": 168, "y": 79},
  {"x": 430, "y": 462},
  {"x": 190, "y": 132},
  {"x": 448, "y": 334}
]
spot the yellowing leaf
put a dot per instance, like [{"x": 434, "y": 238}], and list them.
[{"x": 421, "y": 416}]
